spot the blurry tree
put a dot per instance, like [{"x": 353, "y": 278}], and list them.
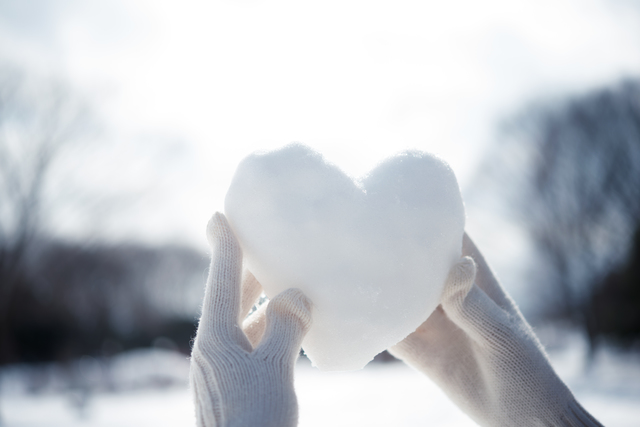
[
  {"x": 570, "y": 170},
  {"x": 38, "y": 119},
  {"x": 614, "y": 304},
  {"x": 62, "y": 299},
  {"x": 99, "y": 299}
]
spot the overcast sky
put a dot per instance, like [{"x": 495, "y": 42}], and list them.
[{"x": 188, "y": 88}]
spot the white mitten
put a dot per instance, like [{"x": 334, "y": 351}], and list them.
[
  {"x": 480, "y": 350},
  {"x": 237, "y": 378}
]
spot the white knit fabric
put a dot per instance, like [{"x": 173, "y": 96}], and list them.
[
  {"x": 480, "y": 350},
  {"x": 238, "y": 376}
]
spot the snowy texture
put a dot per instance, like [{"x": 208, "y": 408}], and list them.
[
  {"x": 372, "y": 255},
  {"x": 379, "y": 395}
]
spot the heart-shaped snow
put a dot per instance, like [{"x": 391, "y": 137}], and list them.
[{"x": 372, "y": 255}]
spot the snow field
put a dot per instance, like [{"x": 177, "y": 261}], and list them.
[{"x": 153, "y": 390}]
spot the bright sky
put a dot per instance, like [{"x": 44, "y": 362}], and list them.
[{"x": 189, "y": 88}]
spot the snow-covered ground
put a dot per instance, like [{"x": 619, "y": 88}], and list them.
[{"x": 149, "y": 388}]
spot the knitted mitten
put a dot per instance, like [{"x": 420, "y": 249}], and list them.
[
  {"x": 480, "y": 350},
  {"x": 240, "y": 378}
]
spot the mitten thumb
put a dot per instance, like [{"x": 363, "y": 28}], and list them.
[
  {"x": 459, "y": 282},
  {"x": 471, "y": 309}
]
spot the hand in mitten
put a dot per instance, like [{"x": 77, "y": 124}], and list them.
[
  {"x": 244, "y": 376},
  {"x": 480, "y": 350}
]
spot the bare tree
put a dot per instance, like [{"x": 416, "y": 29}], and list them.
[
  {"x": 39, "y": 118},
  {"x": 570, "y": 171}
]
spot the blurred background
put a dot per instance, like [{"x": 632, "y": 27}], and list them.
[{"x": 122, "y": 122}]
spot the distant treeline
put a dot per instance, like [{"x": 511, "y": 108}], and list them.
[
  {"x": 569, "y": 172},
  {"x": 71, "y": 300}
]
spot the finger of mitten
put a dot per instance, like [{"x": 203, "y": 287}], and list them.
[
  {"x": 288, "y": 321},
  {"x": 221, "y": 306},
  {"x": 409, "y": 350},
  {"x": 251, "y": 290},
  {"x": 473, "y": 311},
  {"x": 459, "y": 281},
  {"x": 417, "y": 345},
  {"x": 485, "y": 278},
  {"x": 432, "y": 348},
  {"x": 254, "y": 325}
]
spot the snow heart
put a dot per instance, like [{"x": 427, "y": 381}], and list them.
[{"x": 372, "y": 255}]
